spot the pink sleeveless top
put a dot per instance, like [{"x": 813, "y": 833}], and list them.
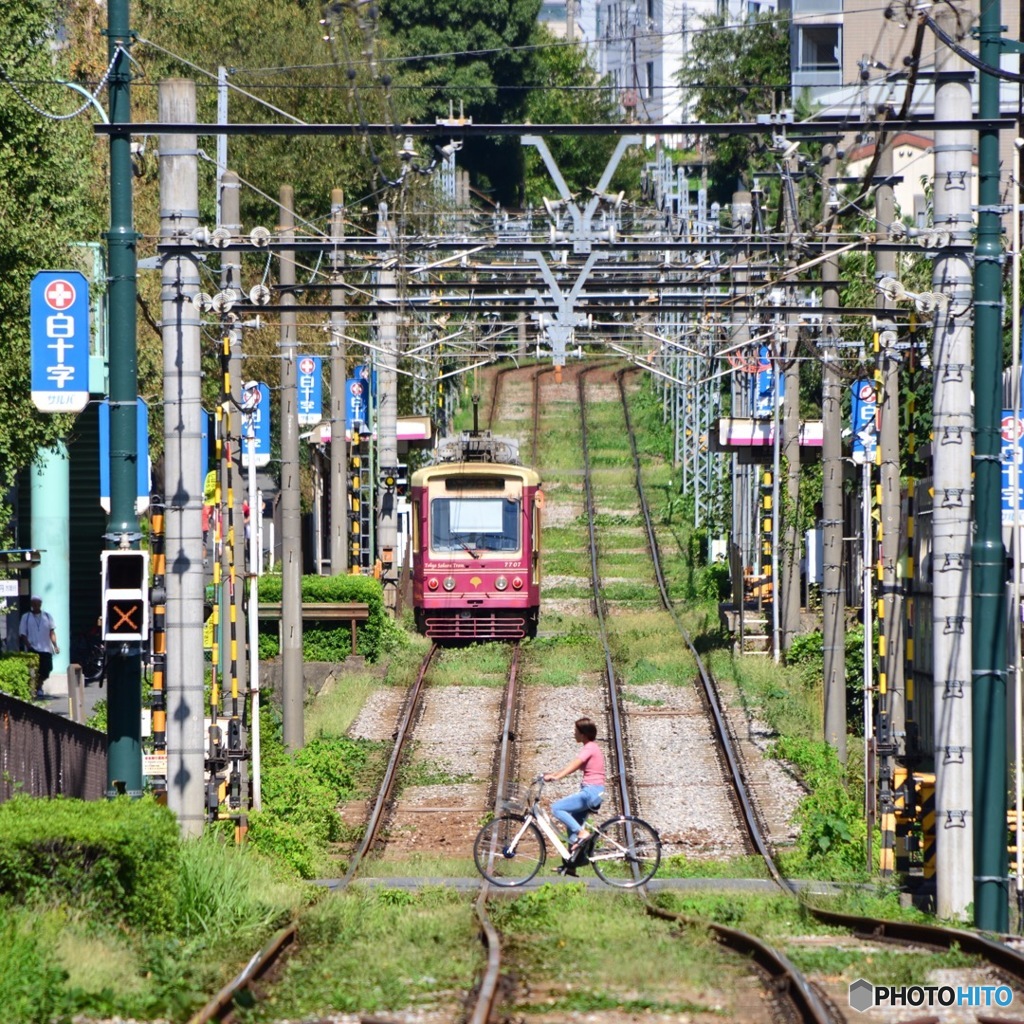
[{"x": 593, "y": 764}]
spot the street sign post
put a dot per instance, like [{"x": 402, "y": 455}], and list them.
[{"x": 59, "y": 316}]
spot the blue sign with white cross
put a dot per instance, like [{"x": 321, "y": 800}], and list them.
[
  {"x": 311, "y": 390},
  {"x": 255, "y": 424},
  {"x": 59, "y": 315},
  {"x": 863, "y": 406},
  {"x": 356, "y": 406}
]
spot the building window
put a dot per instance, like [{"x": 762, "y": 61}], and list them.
[
  {"x": 649, "y": 91},
  {"x": 819, "y": 48}
]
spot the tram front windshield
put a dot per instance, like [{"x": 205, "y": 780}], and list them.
[{"x": 478, "y": 524}]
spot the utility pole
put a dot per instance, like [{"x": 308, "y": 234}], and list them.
[
  {"x": 988, "y": 557},
  {"x": 952, "y": 423},
  {"x": 387, "y": 429},
  {"x": 124, "y": 660},
  {"x": 183, "y": 467},
  {"x": 833, "y": 594},
  {"x": 789, "y": 592},
  {"x": 339, "y": 394},
  {"x": 232, "y": 488},
  {"x": 891, "y": 707},
  {"x": 291, "y": 523}
]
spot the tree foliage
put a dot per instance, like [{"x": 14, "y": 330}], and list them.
[
  {"x": 474, "y": 55},
  {"x": 46, "y": 194},
  {"x": 565, "y": 89},
  {"x": 731, "y": 74}
]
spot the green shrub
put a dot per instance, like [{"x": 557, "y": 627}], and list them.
[
  {"x": 31, "y": 983},
  {"x": 376, "y": 637},
  {"x": 832, "y": 827},
  {"x": 16, "y": 674},
  {"x": 119, "y": 857}
]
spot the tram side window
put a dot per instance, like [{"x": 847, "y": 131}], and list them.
[{"x": 481, "y": 524}]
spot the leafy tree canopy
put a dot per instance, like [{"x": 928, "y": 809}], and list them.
[
  {"x": 565, "y": 89},
  {"x": 731, "y": 74},
  {"x": 472, "y": 55},
  {"x": 44, "y": 210}
]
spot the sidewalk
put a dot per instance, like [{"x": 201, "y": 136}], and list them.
[{"x": 57, "y": 699}]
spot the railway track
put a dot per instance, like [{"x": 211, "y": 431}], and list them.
[
  {"x": 532, "y": 739},
  {"x": 807, "y": 1000}
]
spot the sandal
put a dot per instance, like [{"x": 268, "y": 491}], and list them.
[{"x": 581, "y": 840}]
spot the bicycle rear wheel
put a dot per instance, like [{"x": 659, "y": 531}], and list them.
[
  {"x": 626, "y": 853},
  {"x": 498, "y": 861}
]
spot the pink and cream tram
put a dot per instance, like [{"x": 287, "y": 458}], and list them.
[{"x": 476, "y": 544}]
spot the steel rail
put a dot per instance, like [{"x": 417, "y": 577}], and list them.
[
  {"x": 391, "y": 772},
  {"x": 598, "y": 604},
  {"x": 488, "y": 989},
  {"x": 998, "y": 954},
  {"x": 786, "y": 978},
  {"x": 221, "y": 1007}
]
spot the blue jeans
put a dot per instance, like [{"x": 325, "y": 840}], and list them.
[{"x": 572, "y": 810}]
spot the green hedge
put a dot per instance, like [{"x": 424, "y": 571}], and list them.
[
  {"x": 376, "y": 636},
  {"x": 118, "y": 857},
  {"x": 16, "y": 674}
]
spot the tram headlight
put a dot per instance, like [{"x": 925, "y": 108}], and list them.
[
  {"x": 449, "y": 583},
  {"x": 517, "y": 583},
  {"x": 432, "y": 583},
  {"x": 501, "y": 583}
]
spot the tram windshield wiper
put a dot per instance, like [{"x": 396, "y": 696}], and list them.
[{"x": 471, "y": 551}]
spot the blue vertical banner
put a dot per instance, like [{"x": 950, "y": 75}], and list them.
[
  {"x": 356, "y": 411},
  {"x": 255, "y": 424},
  {"x": 1012, "y": 451},
  {"x": 141, "y": 446},
  {"x": 764, "y": 385},
  {"x": 863, "y": 407},
  {"x": 311, "y": 390},
  {"x": 369, "y": 376},
  {"x": 59, "y": 318}
]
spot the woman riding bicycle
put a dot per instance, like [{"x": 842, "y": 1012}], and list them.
[{"x": 572, "y": 810}]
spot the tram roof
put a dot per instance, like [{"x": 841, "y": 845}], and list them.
[{"x": 444, "y": 470}]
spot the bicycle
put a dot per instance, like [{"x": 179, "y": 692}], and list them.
[{"x": 509, "y": 850}]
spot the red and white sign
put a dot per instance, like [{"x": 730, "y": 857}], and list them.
[
  {"x": 60, "y": 294},
  {"x": 307, "y": 365}
]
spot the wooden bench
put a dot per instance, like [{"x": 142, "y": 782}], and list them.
[{"x": 326, "y": 611}]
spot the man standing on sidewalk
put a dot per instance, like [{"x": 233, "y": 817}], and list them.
[{"x": 38, "y": 634}]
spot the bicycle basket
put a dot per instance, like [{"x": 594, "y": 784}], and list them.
[{"x": 515, "y": 800}]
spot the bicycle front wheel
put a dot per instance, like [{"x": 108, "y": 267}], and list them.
[
  {"x": 509, "y": 850},
  {"x": 627, "y": 852}
]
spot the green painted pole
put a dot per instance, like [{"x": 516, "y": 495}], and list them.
[
  {"x": 124, "y": 672},
  {"x": 991, "y": 905}
]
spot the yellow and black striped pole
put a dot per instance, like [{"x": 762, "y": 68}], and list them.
[{"x": 158, "y": 637}]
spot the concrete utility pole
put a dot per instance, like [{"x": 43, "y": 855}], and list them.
[
  {"x": 231, "y": 281},
  {"x": 789, "y": 592},
  {"x": 387, "y": 425},
  {"x": 183, "y": 467},
  {"x": 988, "y": 557},
  {"x": 739, "y": 341},
  {"x": 891, "y": 708},
  {"x": 124, "y": 667},
  {"x": 294, "y": 694},
  {"x": 339, "y": 394},
  {"x": 833, "y": 593},
  {"x": 952, "y": 423}
]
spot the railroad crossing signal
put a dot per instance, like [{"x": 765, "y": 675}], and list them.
[{"x": 125, "y": 595}]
